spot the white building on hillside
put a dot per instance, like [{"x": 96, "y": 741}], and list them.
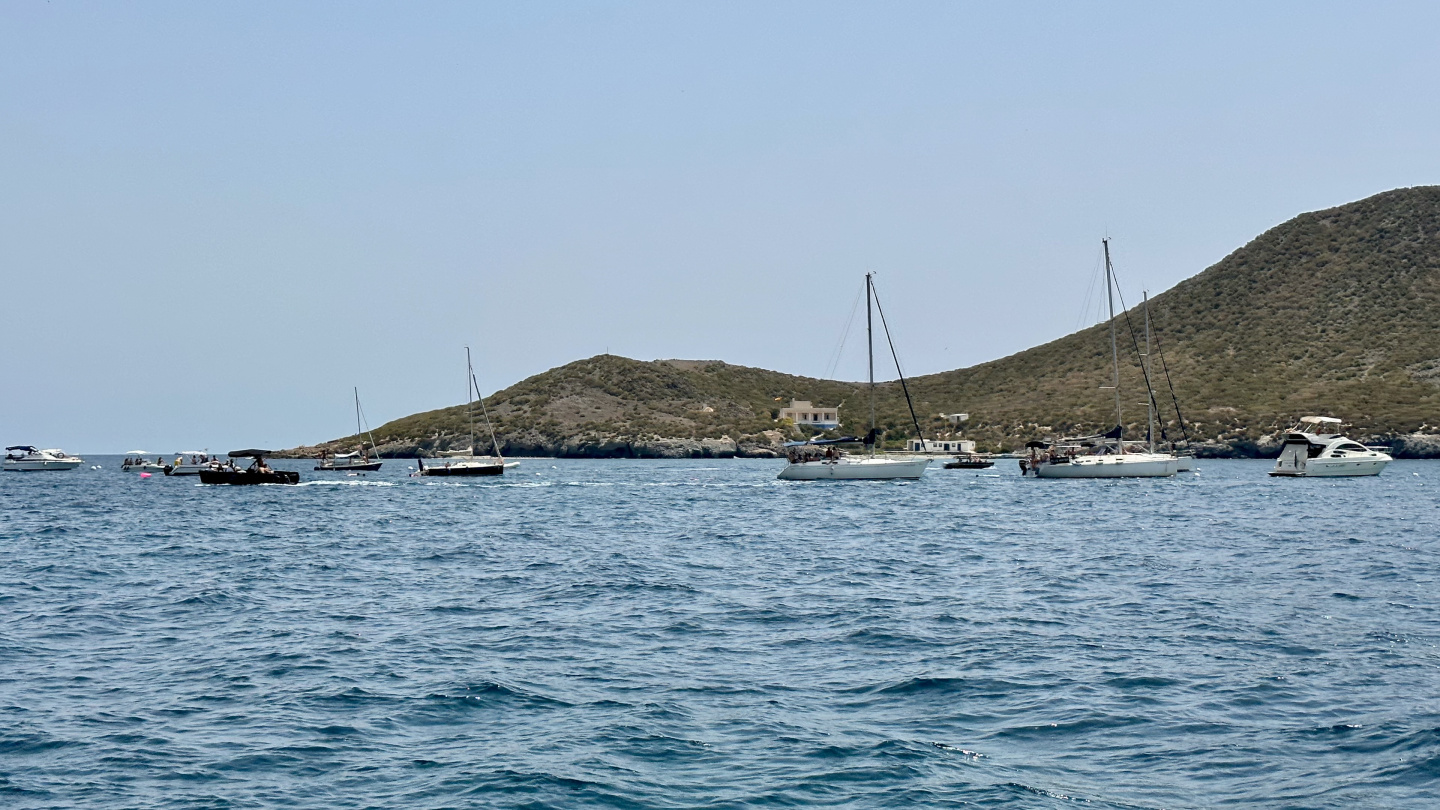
[{"x": 801, "y": 412}]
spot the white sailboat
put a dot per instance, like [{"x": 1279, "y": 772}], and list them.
[
  {"x": 807, "y": 461},
  {"x": 469, "y": 464},
  {"x": 1106, "y": 455},
  {"x": 358, "y": 461}
]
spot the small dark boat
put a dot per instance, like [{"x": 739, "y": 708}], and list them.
[
  {"x": 969, "y": 463},
  {"x": 257, "y": 473}
]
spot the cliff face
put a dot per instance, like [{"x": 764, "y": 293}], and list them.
[{"x": 1331, "y": 313}]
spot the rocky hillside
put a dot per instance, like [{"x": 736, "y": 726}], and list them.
[{"x": 1333, "y": 312}]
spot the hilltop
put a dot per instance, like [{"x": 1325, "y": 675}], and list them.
[{"x": 1332, "y": 312}]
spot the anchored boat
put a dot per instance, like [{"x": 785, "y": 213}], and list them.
[
  {"x": 24, "y": 458},
  {"x": 358, "y": 461},
  {"x": 469, "y": 463},
  {"x": 1105, "y": 455},
  {"x": 1311, "y": 452},
  {"x": 809, "y": 462}
]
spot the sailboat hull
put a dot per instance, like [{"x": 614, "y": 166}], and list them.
[
  {"x": 364, "y": 466},
  {"x": 856, "y": 469},
  {"x": 1130, "y": 465}
]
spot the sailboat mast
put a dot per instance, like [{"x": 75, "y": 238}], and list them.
[
  {"x": 1149, "y": 392},
  {"x": 870, "y": 352},
  {"x": 1114, "y": 344},
  {"x": 469, "y": 403},
  {"x": 363, "y": 454}
]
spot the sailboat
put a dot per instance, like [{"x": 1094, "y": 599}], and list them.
[
  {"x": 470, "y": 464},
  {"x": 1106, "y": 455},
  {"x": 358, "y": 461},
  {"x": 807, "y": 460}
]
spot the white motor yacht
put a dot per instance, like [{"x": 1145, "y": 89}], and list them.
[
  {"x": 24, "y": 458},
  {"x": 1310, "y": 451}
]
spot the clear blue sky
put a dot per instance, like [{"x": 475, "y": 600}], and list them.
[{"x": 217, "y": 218}]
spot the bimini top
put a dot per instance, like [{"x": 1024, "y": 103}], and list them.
[
  {"x": 812, "y": 442},
  {"x": 1319, "y": 420},
  {"x": 249, "y": 453},
  {"x": 27, "y": 448}
]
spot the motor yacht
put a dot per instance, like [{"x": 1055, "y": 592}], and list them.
[
  {"x": 24, "y": 458},
  {"x": 1310, "y": 451}
]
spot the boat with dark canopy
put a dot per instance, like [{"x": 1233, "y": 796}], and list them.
[{"x": 257, "y": 473}]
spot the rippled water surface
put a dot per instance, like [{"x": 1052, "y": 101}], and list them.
[{"x": 688, "y": 634}]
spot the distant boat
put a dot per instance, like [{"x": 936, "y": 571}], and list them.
[
  {"x": 257, "y": 473},
  {"x": 1310, "y": 452},
  {"x": 470, "y": 463},
  {"x": 1105, "y": 455},
  {"x": 198, "y": 460},
  {"x": 808, "y": 462},
  {"x": 136, "y": 461},
  {"x": 352, "y": 462},
  {"x": 24, "y": 458}
]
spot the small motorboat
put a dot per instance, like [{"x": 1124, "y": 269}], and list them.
[
  {"x": 1310, "y": 452},
  {"x": 970, "y": 461},
  {"x": 24, "y": 458},
  {"x": 257, "y": 473},
  {"x": 191, "y": 462},
  {"x": 136, "y": 461}
]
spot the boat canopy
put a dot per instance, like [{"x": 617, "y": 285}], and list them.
[
  {"x": 27, "y": 448},
  {"x": 812, "y": 442},
  {"x": 249, "y": 453},
  {"x": 1320, "y": 420}
]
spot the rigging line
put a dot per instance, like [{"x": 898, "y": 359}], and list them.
[
  {"x": 483, "y": 410},
  {"x": 903, "y": 387},
  {"x": 1166, "y": 368},
  {"x": 844, "y": 334},
  {"x": 1150, "y": 389}
]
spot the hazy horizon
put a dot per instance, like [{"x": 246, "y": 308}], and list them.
[{"x": 217, "y": 220}]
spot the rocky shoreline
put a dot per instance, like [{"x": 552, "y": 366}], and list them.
[{"x": 771, "y": 445}]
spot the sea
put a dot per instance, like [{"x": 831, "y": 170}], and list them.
[{"x": 697, "y": 634}]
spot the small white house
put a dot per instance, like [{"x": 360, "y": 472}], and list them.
[
  {"x": 941, "y": 446},
  {"x": 801, "y": 412}
]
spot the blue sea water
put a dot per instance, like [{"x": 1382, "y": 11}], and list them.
[{"x": 657, "y": 634}]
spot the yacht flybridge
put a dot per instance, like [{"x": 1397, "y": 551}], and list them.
[
  {"x": 823, "y": 460},
  {"x": 24, "y": 458},
  {"x": 1105, "y": 455},
  {"x": 1314, "y": 447}
]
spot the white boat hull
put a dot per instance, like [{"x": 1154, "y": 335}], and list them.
[
  {"x": 1129, "y": 465},
  {"x": 38, "y": 465},
  {"x": 879, "y": 468},
  {"x": 1335, "y": 468}
]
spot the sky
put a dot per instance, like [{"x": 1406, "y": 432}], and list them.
[{"x": 216, "y": 219}]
